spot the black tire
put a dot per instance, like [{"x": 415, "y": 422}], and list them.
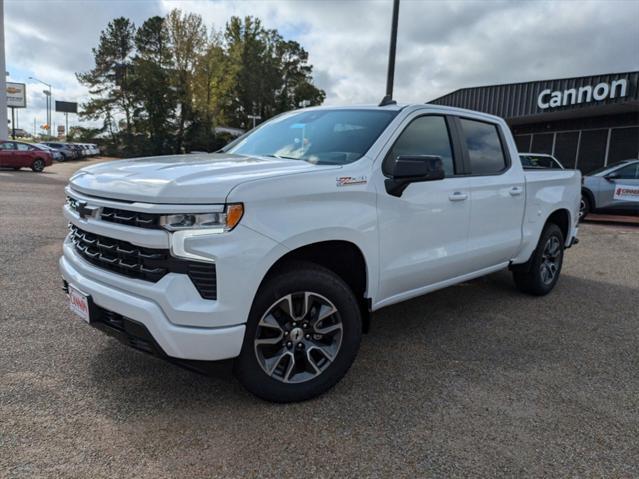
[
  {"x": 535, "y": 279},
  {"x": 296, "y": 279},
  {"x": 584, "y": 207},
  {"x": 38, "y": 165}
]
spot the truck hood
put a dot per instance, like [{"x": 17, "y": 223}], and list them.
[{"x": 195, "y": 178}]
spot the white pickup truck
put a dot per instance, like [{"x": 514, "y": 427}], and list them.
[{"x": 276, "y": 250}]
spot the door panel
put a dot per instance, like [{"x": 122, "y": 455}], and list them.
[
  {"x": 423, "y": 233},
  {"x": 9, "y": 155},
  {"x": 497, "y": 191},
  {"x": 628, "y": 175}
]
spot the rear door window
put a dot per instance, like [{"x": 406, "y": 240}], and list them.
[
  {"x": 630, "y": 172},
  {"x": 483, "y": 144}
]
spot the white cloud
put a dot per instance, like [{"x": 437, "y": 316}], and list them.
[{"x": 442, "y": 45}]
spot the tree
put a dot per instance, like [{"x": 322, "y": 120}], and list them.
[
  {"x": 164, "y": 86},
  {"x": 268, "y": 74},
  {"x": 209, "y": 83},
  {"x": 111, "y": 78},
  {"x": 152, "y": 83},
  {"x": 187, "y": 39}
]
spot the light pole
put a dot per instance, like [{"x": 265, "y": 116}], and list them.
[
  {"x": 48, "y": 95},
  {"x": 390, "y": 76}
]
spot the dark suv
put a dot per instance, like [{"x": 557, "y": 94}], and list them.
[{"x": 67, "y": 151}]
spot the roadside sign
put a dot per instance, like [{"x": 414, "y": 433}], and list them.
[
  {"x": 66, "y": 106},
  {"x": 60, "y": 130},
  {"x": 16, "y": 95}
]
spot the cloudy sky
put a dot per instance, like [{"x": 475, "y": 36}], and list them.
[{"x": 442, "y": 45}]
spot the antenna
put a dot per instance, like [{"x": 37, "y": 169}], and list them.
[{"x": 388, "y": 99}]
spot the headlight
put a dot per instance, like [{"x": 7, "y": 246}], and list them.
[{"x": 223, "y": 221}]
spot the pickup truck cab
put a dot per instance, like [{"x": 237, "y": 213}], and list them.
[{"x": 276, "y": 250}]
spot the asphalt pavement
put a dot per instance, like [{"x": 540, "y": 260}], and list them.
[{"x": 474, "y": 380}]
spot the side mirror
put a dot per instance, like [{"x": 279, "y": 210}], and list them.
[
  {"x": 413, "y": 169},
  {"x": 612, "y": 176}
]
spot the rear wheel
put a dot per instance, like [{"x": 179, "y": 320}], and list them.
[
  {"x": 38, "y": 165},
  {"x": 545, "y": 265},
  {"x": 302, "y": 335}
]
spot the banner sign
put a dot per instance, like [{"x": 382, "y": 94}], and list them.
[
  {"x": 626, "y": 193},
  {"x": 66, "y": 106},
  {"x": 16, "y": 95}
]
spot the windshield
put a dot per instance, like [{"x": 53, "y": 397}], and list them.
[{"x": 318, "y": 136}]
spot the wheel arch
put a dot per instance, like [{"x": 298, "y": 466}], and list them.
[
  {"x": 344, "y": 258},
  {"x": 561, "y": 217},
  {"x": 590, "y": 195}
]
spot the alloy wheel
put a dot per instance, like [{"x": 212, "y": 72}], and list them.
[
  {"x": 582, "y": 208},
  {"x": 298, "y": 337},
  {"x": 550, "y": 260},
  {"x": 38, "y": 165}
]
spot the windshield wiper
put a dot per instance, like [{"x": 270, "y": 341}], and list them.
[{"x": 284, "y": 157}]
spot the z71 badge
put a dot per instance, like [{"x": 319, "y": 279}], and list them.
[{"x": 351, "y": 180}]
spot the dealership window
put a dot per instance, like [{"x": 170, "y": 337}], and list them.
[
  {"x": 566, "y": 148},
  {"x": 542, "y": 143},
  {"x": 426, "y": 135},
  {"x": 592, "y": 150},
  {"x": 523, "y": 143},
  {"x": 484, "y": 147},
  {"x": 624, "y": 144}
]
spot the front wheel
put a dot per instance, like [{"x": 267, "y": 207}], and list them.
[
  {"x": 302, "y": 335},
  {"x": 38, "y": 165},
  {"x": 584, "y": 207},
  {"x": 545, "y": 265}
]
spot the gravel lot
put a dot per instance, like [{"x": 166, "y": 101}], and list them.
[{"x": 474, "y": 380}]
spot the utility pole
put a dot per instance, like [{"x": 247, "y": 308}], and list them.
[
  {"x": 48, "y": 95},
  {"x": 390, "y": 77},
  {"x": 4, "y": 133}
]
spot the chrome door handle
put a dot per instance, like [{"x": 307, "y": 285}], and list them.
[
  {"x": 516, "y": 191},
  {"x": 457, "y": 196}
]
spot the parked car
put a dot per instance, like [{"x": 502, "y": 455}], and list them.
[
  {"x": 276, "y": 250},
  {"x": 56, "y": 155},
  {"x": 20, "y": 133},
  {"x": 95, "y": 148},
  {"x": 16, "y": 155},
  {"x": 66, "y": 150},
  {"x": 611, "y": 189},
  {"x": 533, "y": 161},
  {"x": 80, "y": 149}
]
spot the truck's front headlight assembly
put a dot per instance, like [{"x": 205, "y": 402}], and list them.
[{"x": 223, "y": 221}]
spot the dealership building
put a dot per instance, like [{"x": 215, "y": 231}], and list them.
[{"x": 586, "y": 122}]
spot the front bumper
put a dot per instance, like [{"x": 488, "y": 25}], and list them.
[{"x": 181, "y": 342}]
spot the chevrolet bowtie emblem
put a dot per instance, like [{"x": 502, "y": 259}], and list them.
[{"x": 83, "y": 210}]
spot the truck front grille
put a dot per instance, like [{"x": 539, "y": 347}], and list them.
[
  {"x": 138, "y": 262},
  {"x": 130, "y": 218}
]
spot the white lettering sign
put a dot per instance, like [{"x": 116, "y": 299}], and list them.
[
  {"x": 626, "y": 193},
  {"x": 585, "y": 94}
]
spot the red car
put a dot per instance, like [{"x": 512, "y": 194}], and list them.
[{"x": 16, "y": 155}]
